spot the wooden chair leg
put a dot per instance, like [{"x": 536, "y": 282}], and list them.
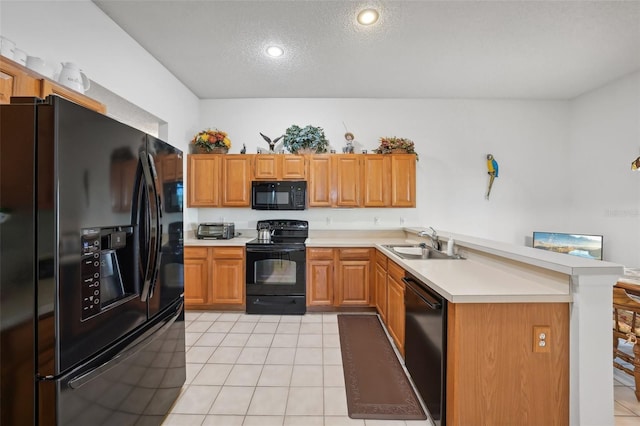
[{"x": 636, "y": 368}]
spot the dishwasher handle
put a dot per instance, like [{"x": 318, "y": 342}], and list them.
[{"x": 423, "y": 293}]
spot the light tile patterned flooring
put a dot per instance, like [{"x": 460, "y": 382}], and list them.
[
  {"x": 286, "y": 370},
  {"x": 264, "y": 370}
]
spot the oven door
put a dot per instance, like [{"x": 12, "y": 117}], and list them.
[{"x": 276, "y": 270}]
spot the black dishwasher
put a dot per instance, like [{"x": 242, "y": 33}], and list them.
[{"x": 426, "y": 344}]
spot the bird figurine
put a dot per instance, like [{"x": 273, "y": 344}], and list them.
[
  {"x": 244, "y": 149},
  {"x": 635, "y": 164},
  {"x": 492, "y": 170},
  {"x": 272, "y": 144}
]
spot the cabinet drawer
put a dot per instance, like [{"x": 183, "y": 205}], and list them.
[
  {"x": 381, "y": 259},
  {"x": 395, "y": 270},
  {"x": 195, "y": 252},
  {"x": 228, "y": 252},
  {"x": 355, "y": 253},
  {"x": 320, "y": 254}
]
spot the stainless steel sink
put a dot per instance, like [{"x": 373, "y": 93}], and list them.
[{"x": 418, "y": 251}]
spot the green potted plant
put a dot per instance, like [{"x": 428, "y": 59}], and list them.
[
  {"x": 306, "y": 139},
  {"x": 212, "y": 141}
]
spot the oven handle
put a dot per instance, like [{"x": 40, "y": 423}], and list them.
[{"x": 273, "y": 250}]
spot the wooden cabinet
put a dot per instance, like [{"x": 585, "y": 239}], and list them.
[
  {"x": 490, "y": 344},
  {"x": 214, "y": 277},
  {"x": 395, "y": 304},
  {"x": 319, "y": 186},
  {"x": 227, "y": 267},
  {"x": 203, "y": 174},
  {"x": 380, "y": 285},
  {"x": 218, "y": 180},
  {"x": 376, "y": 179},
  {"x": 353, "y": 278},
  {"x": 389, "y": 180},
  {"x": 339, "y": 277},
  {"x": 235, "y": 181},
  {"x": 279, "y": 167},
  {"x": 196, "y": 276},
  {"x": 403, "y": 180},
  {"x": 346, "y": 180},
  {"x": 17, "y": 80},
  {"x": 320, "y": 276}
]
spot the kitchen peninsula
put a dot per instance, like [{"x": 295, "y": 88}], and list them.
[{"x": 505, "y": 280}]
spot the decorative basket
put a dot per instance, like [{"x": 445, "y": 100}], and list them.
[
  {"x": 216, "y": 150},
  {"x": 398, "y": 151}
]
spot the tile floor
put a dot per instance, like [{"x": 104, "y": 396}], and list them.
[
  {"x": 286, "y": 370},
  {"x": 264, "y": 370}
]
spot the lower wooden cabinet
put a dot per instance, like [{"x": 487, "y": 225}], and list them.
[
  {"x": 380, "y": 285},
  {"x": 214, "y": 277},
  {"x": 395, "y": 304},
  {"x": 339, "y": 277}
]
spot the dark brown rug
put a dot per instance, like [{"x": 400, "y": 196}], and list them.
[{"x": 377, "y": 387}]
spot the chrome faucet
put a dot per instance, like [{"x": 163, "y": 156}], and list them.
[{"x": 433, "y": 235}]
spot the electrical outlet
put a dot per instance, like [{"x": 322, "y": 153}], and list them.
[
  {"x": 376, "y": 220},
  {"x": 541, "y": 338},
  {"x": 328, "y": 220},
  {"x": 402, "y": 220}
]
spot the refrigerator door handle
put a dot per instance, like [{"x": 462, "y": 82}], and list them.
[
  {"x": 135, "y": 347},
  {"x": 153, "y": 243},
  {"x": 158, "y": 248}
]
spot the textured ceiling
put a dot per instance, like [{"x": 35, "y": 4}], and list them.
[{"x": 452, "y": 49}]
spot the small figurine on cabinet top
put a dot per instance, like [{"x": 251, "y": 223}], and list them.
[
  {"x": 348, "y": 149},
  {"x": 272, "y": 144}
]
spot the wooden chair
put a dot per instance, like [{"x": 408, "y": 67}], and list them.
[{"x": 626, "y": 326}]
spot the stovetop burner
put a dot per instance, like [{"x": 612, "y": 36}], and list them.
[{"x": 283, "y": 231}]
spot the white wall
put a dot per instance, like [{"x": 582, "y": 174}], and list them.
[
  {"x": 605, "y": 192},
  {"x": 78, "y": 31},
  {"x": 528, "y": 139}
]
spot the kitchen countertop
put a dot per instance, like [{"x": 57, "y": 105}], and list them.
[{"x": 459, "y": 281}]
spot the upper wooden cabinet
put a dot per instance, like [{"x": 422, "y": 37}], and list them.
[
  {"x": 279, "y": 167},
  {"x": 171, "y": 167},
  {"x": 403, "y": 180},
  {"x": 203, "y": 180},
  {"x": 319, "y": 185},
  {"x": 17, "y": 80},
  {"x": 218, "y": 180},
  {"x": 376, "y": 177},
  {"x": 346, "y": 180}
]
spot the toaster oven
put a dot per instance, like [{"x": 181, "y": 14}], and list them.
[{"x": 216, "y": 231}]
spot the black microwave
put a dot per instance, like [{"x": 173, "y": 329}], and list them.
[{"x": 281, "y": 195}]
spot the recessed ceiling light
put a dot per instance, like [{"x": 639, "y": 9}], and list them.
[
  {"x": 275, "y": 51},
  {"x": 368, "y": 16}
]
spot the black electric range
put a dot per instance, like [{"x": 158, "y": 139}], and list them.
[{"x": 276, "y": 269}]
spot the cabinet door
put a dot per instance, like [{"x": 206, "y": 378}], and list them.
[
  {"x": 228, "y": 285},
  {"x": 203, "y": 180},
  {"x": 403, "y": 180},
  {"x": 395, "y": 307},
  {"x": 381, "y": 291},
  {"x": 319, "y": 186},
  {"x": 16, "y": 80},
  {"x": 196, "y": 276},
  {"x": 376, "y": 179},
  {"x": 293, "y": 167},
  {"x": 347, "y": 180},
  {"x": 236, "y": 181},
  {"x": 265, "y": 167},
  {"x": 353, "y": 282},
  {"x": 320, "y": 282}
]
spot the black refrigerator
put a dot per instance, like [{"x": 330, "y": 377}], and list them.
[{"x": 91, "y": 268}]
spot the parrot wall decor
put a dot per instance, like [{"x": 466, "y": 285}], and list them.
[
  {"x": 492, "y": 170},
  {"x": 272, "y": 144}
]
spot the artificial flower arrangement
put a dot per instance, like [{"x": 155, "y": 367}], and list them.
[
  {"x": 393, "y": 144},
  {"x": 210, "y": 139}
]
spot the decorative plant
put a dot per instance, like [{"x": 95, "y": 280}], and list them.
[
  {"x": 309, "y": 137},
  {"x": 389, "y": 144},
  {"x": 210, "y": 139}
]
